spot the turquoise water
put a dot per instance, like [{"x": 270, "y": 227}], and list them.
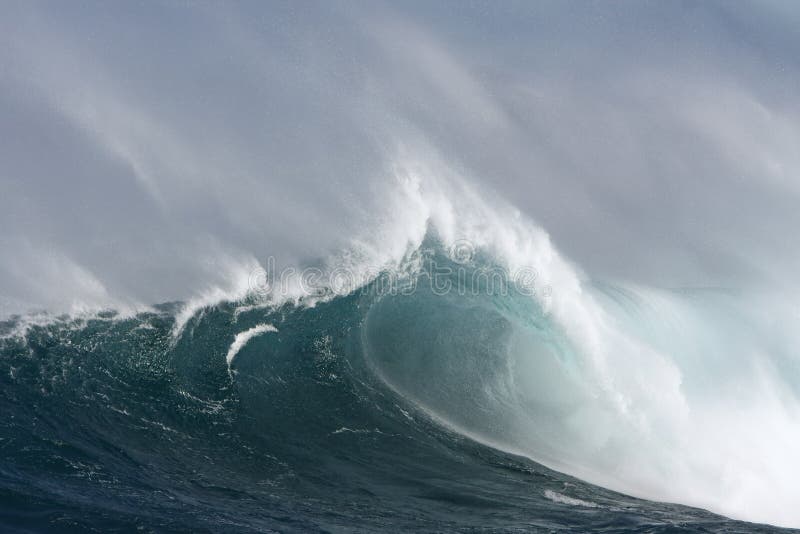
[{"x": 367, "y": 412}]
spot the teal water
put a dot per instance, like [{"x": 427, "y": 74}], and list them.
[{"x": 367, "y": 412}]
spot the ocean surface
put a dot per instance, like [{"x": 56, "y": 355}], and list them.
[{"x": 405, "y": 404}]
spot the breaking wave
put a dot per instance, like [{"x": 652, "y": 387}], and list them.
[{"x": 368, "y": 393}]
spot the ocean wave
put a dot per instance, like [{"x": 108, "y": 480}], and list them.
[
  {"x": 628, "y": 395},
  {"x": 464, "y": 311}
]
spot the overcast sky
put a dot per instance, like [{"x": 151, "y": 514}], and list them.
[{"x": 149, "y": 150}]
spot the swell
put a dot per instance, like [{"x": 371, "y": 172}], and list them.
[{"x": 116, "y": 423}]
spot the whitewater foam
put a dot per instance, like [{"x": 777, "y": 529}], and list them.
[
  {"x": 564, "y": 499},
  {"x": 242, "y": 339}
]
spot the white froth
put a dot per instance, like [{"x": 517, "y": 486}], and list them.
[
  {"x": 242, "y": 339},
  {"x": 563, "y": 499}
]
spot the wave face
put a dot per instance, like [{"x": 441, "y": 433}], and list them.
[{"x": 433, "y": 405}]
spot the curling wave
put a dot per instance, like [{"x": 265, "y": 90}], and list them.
[{"x": 372, "y": 403}]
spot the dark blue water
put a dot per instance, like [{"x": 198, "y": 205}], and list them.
[{"x": 113, "y": 424}]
